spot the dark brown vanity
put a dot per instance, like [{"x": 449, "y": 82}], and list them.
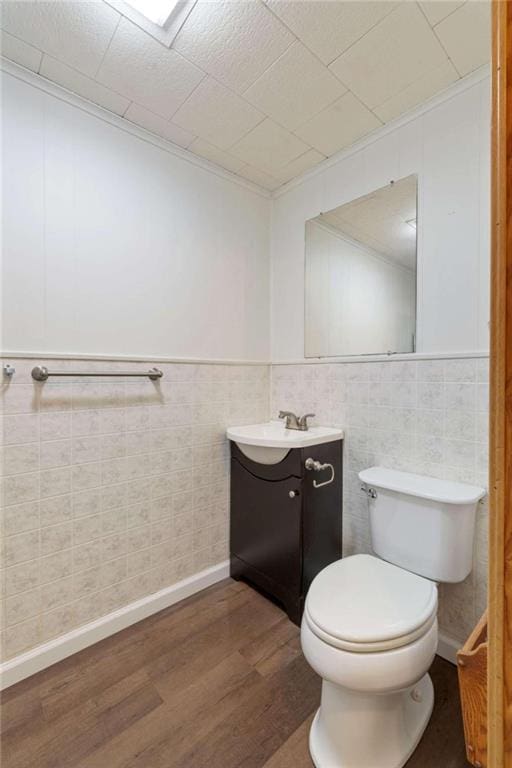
[{"x": 286, "y": 521}]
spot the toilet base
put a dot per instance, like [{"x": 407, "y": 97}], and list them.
[{"x": 354, "y": 730}]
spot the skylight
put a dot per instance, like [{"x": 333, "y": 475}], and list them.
[{"x": 157, "y": 11}]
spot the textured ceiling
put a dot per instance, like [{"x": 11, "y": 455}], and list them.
[
  {"x": 384, "y": 220},
  {"x": 264, "y": 89}
]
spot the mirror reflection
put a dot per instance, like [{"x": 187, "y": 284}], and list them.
[{"x": 361, "y": 275}]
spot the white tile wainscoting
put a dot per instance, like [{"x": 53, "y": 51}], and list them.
[
  {"x": 113, "y": 488},
  {"x": 117, "y": 489},
  {"x": 423, "y": 416}
]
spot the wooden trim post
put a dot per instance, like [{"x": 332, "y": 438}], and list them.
[{"x": 499, "y": 720}]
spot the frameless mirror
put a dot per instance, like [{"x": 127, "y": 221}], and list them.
[{"x": 361, "y": 275}]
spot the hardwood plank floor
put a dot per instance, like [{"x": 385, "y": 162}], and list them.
[{"x": 218, "y": 681}]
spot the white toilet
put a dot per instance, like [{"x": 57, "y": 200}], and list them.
[{"x": 370, "y": 627}]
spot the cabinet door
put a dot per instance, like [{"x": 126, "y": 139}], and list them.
[
  {"x": 266, "y": 525},
  {"x": 323, "y": 512}
]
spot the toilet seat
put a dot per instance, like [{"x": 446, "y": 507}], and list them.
[
  {"x": 384, "y": 645},
  {"x": 365, "y": 605}
]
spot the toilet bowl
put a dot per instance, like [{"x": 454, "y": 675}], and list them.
[
  {"x": 370, "y": 631},
  {"x": 369, "y": 627}
]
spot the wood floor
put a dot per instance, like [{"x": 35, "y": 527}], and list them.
[{"x": 217, "y": 681}]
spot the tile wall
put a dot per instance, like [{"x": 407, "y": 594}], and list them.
[
  {"x": 116, "y": 488},
  {"x": 112, "y": 488},
  {"x": 425, "y": 416}
]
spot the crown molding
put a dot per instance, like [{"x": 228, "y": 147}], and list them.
[
  {"x": 58, "y": 92},
  {"x": 51, "y": 88},
  {"x": 464, "y": 84},
  {"x": 360, "y": 245}
]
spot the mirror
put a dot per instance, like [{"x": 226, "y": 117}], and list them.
[{"x": 361, "y": 275}]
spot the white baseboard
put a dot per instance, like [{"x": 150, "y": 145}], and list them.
[
  {"x": 27, "y": 664},
  {"x": 447, "y": 648},
  {"x": 45, "y": 655}
]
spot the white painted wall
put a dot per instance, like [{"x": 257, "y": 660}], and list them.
[
  {"x": 112, "y": 245},
  {"x": 448, "y": 147},
  {"x": 357, "y": 301}
]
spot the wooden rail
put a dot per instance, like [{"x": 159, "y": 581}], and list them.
[{"x": 472, "y": 666}]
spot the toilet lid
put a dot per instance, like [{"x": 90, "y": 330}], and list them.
[{"x": 364, "y": 600}]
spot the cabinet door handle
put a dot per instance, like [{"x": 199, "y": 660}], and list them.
[{"x": 293, "y": 494}]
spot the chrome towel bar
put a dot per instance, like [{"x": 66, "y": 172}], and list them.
[{"x": 41, "y": 373}]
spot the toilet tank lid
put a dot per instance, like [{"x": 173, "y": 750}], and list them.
[{"x": 443, "y": 491}]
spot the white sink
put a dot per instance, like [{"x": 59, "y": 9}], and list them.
[{"x": 270, "y": 442}]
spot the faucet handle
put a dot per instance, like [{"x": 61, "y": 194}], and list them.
[
  {"x": 303, "y": 421},
  {"x": 292, "y": 421}
]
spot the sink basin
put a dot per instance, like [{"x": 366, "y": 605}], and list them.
[{"x": 270, "y": 442}]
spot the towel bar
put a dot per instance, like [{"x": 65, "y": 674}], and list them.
[{"x": 41, "y": 373}]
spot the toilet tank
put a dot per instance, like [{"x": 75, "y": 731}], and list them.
[{"x": 422, "y": 524}]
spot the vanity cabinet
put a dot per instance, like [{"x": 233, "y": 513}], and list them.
[{"x": 285, "y": 524}]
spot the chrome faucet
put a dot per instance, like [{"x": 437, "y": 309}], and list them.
[
  {"x": 292, "y": 421},
  {"x": 296, "y": 422},
  {"x": 303, "y": 421}
]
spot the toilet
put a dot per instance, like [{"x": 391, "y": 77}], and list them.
[{"x": 369, "y": 627}]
